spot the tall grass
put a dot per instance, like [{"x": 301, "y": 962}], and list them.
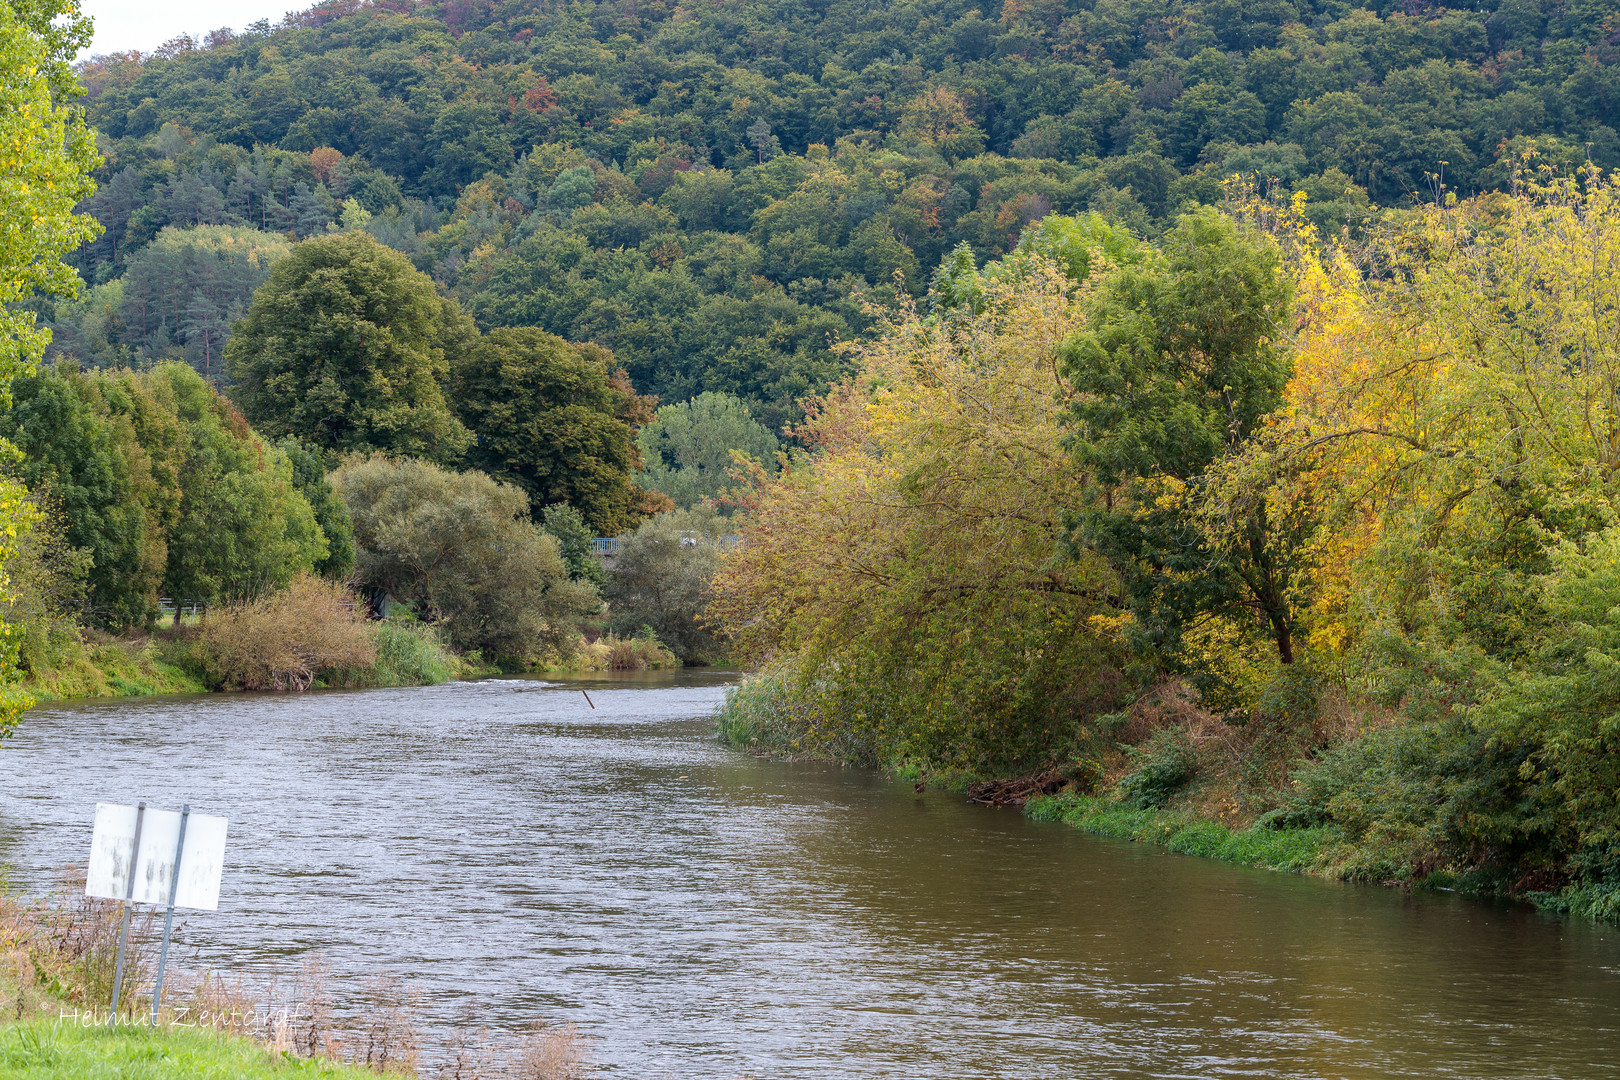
[
  {"x": 642, "y": 652},
  {"x": 768, "y": 713},
  {"x": 410, "y": 654}
]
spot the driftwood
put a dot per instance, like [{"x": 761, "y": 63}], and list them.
[{"x": 1016, "y": 792}]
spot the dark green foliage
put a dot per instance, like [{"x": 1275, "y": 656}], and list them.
[
  {"x": 345, "y": 348},
  {"x": 160, "y": 480},
  {"x": 574, "y": 537},
  {"x": 179, "y": 297},
  {"x": 1165, "y": 764},
  {"x": 243, "y": 529},
  {"x": 662, "y": 186},
  {"x": 1182, "y": 354},
  {"x": 550, "y": 420},
  {"x": 72, "y": 456},
  {"x": 461, "y": 549}
]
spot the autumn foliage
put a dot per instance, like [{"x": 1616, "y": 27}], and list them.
[{"x": 1381, "y": 545}]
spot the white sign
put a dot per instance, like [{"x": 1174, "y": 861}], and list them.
[{"x": 200, "y": 864}]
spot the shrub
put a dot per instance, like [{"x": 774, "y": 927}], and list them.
[
  {"x": 660, "y": 579},
  {"x": 284, "y": 641},
  {"x": 1166, "y": 763},
  {"x": 461, "y": 548},
  {"x": 773, "y": 713},
  {"x": 613, "y": 653}
]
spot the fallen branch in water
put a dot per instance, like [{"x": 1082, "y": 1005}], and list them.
[{"x": 1018, "y": 791}]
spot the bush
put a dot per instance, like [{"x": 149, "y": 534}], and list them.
[
  {"x": 771, "y": 713},
  {"x": 461, "y": 549},
  {"x": 660, "y": 579},
  {"x": 1166, "y": 763},
  {"x": 411, "y": 655},
  {"x": 613, "y": 653},
  {"x": 286, "y": 640}
]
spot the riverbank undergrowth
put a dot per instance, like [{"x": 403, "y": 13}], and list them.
[{"x": 1290, "y": 850}]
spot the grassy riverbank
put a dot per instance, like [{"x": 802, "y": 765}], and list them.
[
  {"x": 168, "y": 662},
  {"x": 1168, "y": 772},
  {"x": 1289, "y": 850},
  {"x": 67, "y": 1050},
  {"x": 56, "y": 973}
]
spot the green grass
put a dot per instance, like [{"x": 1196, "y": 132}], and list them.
[
  {"x": 1291, "y": 850},
  {"x": 65, "y": 1050},
  {"x": 113, "y": 669}
]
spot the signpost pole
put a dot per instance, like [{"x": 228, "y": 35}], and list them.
[
  {"x": 129, "y": 893},
  {"x": 168, "y": 918}
]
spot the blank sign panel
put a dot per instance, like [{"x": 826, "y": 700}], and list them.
[{"x": 200, "y": 864}]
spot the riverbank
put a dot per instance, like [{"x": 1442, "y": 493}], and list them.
[
  {"x": 1332, "y": 799},
  {"x": 56, "y": 958},
  {"x": 65, "y": 1049},
  {"x": 172, "y": 660},
  {"x": 1295, "y": 851}
]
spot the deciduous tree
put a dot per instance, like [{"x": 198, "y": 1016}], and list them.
[
  {"x": 345, "y": 347},
  {"x": 550, "y": 420},
  {"x": 461, "y": 548}
]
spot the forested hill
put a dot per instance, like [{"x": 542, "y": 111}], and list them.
[{"x": 712, "y": 188}]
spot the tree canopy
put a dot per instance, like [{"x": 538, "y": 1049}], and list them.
[
  {"x": 461, "y": 548},
  {"x": 687, "y": 448},
  {"x": 715, "y": 195},
  {"x": 345, "y": 347},
  {"x": 551, "y": 419}
]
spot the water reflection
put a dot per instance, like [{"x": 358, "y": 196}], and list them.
[{"x": 707, "y": 914}]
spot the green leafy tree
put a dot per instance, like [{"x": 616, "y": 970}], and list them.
[
  {"x": 310, "y": 478},
  {"x": 573, "y": 188},
  {"x": 79, "y": 457},
  {"x": 345, "y": 347},
  {"x": 243, "y": 530},
  {"x": 461, "y": 548},
  {"x": 660, "y": 580},
  {"x": 574, "y": 541},
  {"x": 551, "y": 421},
  {"x": 688, "y": 447},
  {"x": 46, "y": 155},
  {"x": 1182, "y": 356},
  {"x": 187, "y": 287}
]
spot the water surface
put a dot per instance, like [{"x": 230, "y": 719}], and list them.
[{"x": 705, "y": 914}]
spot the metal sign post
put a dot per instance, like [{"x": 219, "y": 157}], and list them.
[
  {"x": 129, "y": 894},
  {"x": 157, "y": 857},
  {"x": 168, "y": 919}
]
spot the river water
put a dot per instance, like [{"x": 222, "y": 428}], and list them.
[{"x": 701, "y": 913}]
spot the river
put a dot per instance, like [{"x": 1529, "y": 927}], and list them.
[{"x": 701, "y": 913}]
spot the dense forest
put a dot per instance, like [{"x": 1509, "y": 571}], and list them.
[{"x": 716, "y": 192}]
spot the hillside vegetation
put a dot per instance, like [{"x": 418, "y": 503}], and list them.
[{"x": 712, "y": 189}]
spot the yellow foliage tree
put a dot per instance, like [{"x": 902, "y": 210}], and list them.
[{"x": 913, "y": 561}]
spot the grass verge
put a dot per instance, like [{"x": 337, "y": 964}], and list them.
[
  {"x": 65, "y": 1049},
  {"x": 1291, "y": 850}
]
